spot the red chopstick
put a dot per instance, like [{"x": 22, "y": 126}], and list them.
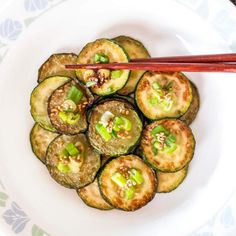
[
  {"x": 226, "y": 57},
  {"x": 162, "y": 66}
]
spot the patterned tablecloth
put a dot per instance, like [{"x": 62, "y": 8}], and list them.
[{"x": 223, "y": 20}]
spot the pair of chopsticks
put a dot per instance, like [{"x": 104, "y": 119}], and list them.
[{"x": 193, "y": 63}]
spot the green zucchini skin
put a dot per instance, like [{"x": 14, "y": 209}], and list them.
[
  {"x": 168, "y": 182},
  {"x": 113, "y": 148},
  {"x": 169, "y": 162},
  {"x": 92, "y": 197},
  {"x": 55, "y": 66},
  {"x": 39, "y": 100},
  {"x": 112, "y": 197},
  {"x": 181, "y": 90},
  {"x": 116, "y": 54},
  {"x": 40, "y": 139},
  {"x": 56, "y": 100},
  {"x": 135, "y": 49},
  {"x": 88, "y": 169},
  {"x": 193, "y": 109}
]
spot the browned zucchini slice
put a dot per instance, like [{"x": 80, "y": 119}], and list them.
[
  {"x": 72, "y": 161},
  {"x": 135, "y": 49},
  {"x": 92, "y": 197},
  {"x": 127, "y": 183},
  {"x": 55, "y": 65},
  {"x": 67, "y": 108},
  {"x": 168, "y": 182},
  {"x": 163, "y": 95},
  {"x": 168, "y": 145},
  {"x": 40, "y": 139},
  {"x": 115, "y": 127}
]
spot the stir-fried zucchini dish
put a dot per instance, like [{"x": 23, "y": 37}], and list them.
[{"x": 117, "y": 137}]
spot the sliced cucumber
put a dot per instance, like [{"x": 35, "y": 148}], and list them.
[
  {"x": 168, "y": 145},
  {"x": 40, "y": 139},
  {"x": 168, "y": 182},
  {"x": 192, "y": 111},
  {"x": 39, "y": 100},
  {"x": 135, "y": 49},
  {"x": 92, "y": 197},
  {"x": 71, "y": 161},
  {"x": 115, "y": 127},
  {"x": 66, "y": 115},
  {"x": 163, "y": 95},
  {"x": 55, "y": 66},
  {"x": 127, "y": 183},
  {"x": 103, "y": 51}
]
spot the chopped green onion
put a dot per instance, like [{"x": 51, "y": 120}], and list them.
[
  {"x": 63, "y": 116},
  {"x": 64, "y": 153},
  {"x": 159, "y": 129},
  {"x": 171, "y": 138},
  {"x": 72, "y": 118},
  {"x": 91, "y": 83},
  {"x": 119, "y": 179},
  {"x": 129, "y": 193},
  {"x": 63, "y": 168},
  {"x": 170, "y": 149},
  {"x": 169, "y": 85},
  {"x": 136, "y": 175},
  {"x": 72, "y": 149},
  {"x": 88, "y": 74},
  {"x": 153, "y": 101},
  {"x": 156, "y": 86},
  {"x": 118, "y": 120},
  {"x": 69, "y": 105},
  {"x": 103, "y": 132},
  {"x": 156, "y": 145},
  {"x": 75, "y": 94},
  {"x": 126, "y": 123},
  {"x": 101, "y": 58},
  {"x": 115, "y": 74},
  {"x": 114, "y": 134},
  {"x": 167, "y": 105},
  {"x": 155, "y": 150}
]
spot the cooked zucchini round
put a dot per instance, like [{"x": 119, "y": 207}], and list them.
[
  {"x": 39, "y": 100},
  {"x": 71, "y": 161},
  {"x": 168, "y": 145},
  {"x": 103, "y": 82},
  {"x": 163, "y": 95},
  {"x": 40, "y": 139},
  {"x": 114, "y": 127},
  {"x": 127, "y": 183},
  {"x": 92, "y": 197},
  {"x": 135, "y": 49},
  {"x": 67, "y": 107},
  {"x": 192, "y": 111},
  {"x": 168, "y": 182},
  {"x": 55, "y": 65}
]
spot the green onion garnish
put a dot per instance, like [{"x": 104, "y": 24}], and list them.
[
  {"x": 156, "y": 86},
  {"x": 159, "y": 129},
  {"x": 101, "y": 58},
  {"x": 129, "y": 193},
  {"x": 72, "y": 149},
  {"x": 63, "y": 168},
  {"x": 171, "y": 138},
  {"x": 103, "y": 132},
  {"x": 170, "y": 148},
  {"x": 136, "y": 175},
  {"x": 169, "y": 85},
  {"x": 75, "y": 94},
  {"x": 153, "y": 101},
  {"x": 115, "y": 74},
  {"x": 127, "y": 125},
  {"x": 119, "y": 179},
  {"x": 72, "y": 118},
  {"x": 63, "y": 116},
  {"x": 90, "y": 83}
]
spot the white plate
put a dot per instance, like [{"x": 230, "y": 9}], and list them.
[{"x": 166, "y": 28}]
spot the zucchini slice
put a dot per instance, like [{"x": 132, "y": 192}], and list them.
[
  {"x": 168, "y": 145},
  {"x": 71, "y": 161},
  {"x": 168, "y": 182},
  {"x": 103, "y": 82},
  {"x": 40, "y": 139},
  {"x": 135, "y": 49},
  {"x": 55, "y": 65},
  {"x": 114, "y": 127},
  {"x": 92, "y": 197},
  {"x": 163, "y": 95},
  {"x": 39, "y": 100},
  {"x": 192, "y": 111},
  {"x": 67, "y": 107},
  {"x": 127, "y": 183}
]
